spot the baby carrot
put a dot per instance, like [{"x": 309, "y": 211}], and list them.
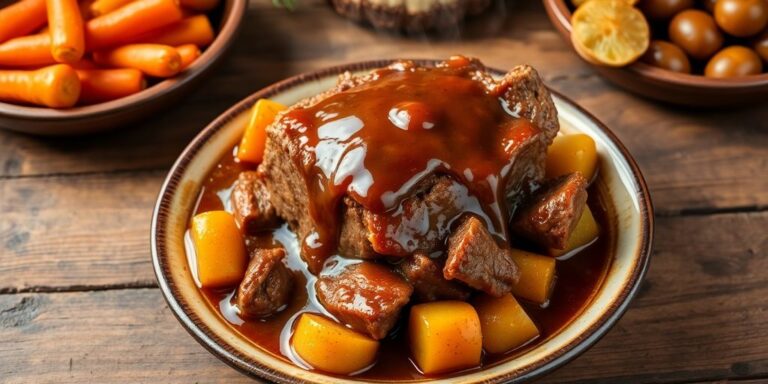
[
  {"x": 199, "y": 5},
  {"x": 99, "y": 85},
  {"x": 66, "y": 29},
  {"x": 192, "y": 30},
  {"x": 133, "y": 19},
  {"x": 153, "y": 59},
  {"x": 56, "y": 86},
  {"x": 101, "y": 7},
  {"x": 21, "y": 18},
  {"x": 188, "y": 53},
  {"x": 27, "y": 51}
]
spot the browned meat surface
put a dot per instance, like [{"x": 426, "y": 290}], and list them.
[
  {"x": 426, "y": 276},
  {"x": 422, "y": 226},
  {"x": 353, "y": 239},
  {"x": 251, "y": 204},
  {"x": 366, "y": 296},
  {"x": 426, "y": 222},
  {"x": 549, "y": 216},
  {"x": 267, "y": 284},
  {"x": 476, "y": 259}
]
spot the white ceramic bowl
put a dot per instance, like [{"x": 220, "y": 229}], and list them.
[{"x": 620, "y": 181}]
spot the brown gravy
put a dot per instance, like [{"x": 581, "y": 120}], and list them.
[
  {"x": 578, "y": 278},
  {"x": 415, "y": 121}
]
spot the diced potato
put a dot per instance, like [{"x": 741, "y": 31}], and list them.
[
  {"x": 254, "y": 140},
  {"x": 585, "y": 232},
  {"x": 220, "y": 249},
  {"x": 571, "y": 153},
  {"x": 445, "y": 336},
  {"x": 329, "y": 346},
  {"x": 504, "y": 323},
  {"x": 537, "y": 276}
]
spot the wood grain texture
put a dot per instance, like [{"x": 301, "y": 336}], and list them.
[
  {"x": 88, "y": 230},
  {"x": 701, "y": 146},
  {"x": 700, "y": 316},
  {"x": 119, "y": 336}
]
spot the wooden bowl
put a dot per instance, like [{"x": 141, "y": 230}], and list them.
[
  {"x": 668, "y": 86},
  {"x": 620, "y": 183},
  {"x": 116, "y": 113}
]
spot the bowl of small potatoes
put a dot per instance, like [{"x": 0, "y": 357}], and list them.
[
  {"x": 69, "y": 67},
  {"x": 686, "y": 52}
]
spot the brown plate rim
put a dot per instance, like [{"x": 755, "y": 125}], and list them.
[
  {"x": 255, "y": 369},
  {"x": 560, "y": 15},
  {"x": 232, "y": 17}
]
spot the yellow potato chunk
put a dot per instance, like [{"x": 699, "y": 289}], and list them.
[
  {"x": 329, "y": 346},
  {"x": 585, "y": 232},
  {"x": 572, "y": 153},
  {"x": 504, "y": 323},
  {"x": 251, "y": 148},
  {"x": 220, "y": 249},
  {"x": 537, "y": 276},
  {"x": 445, "y": 336}
]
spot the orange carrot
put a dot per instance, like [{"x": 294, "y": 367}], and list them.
[
  {"x": 192, "y": 30},
  {"x": 199, "y": 5},
  {"x": 152, "y": 59},
  {"x": 133, "y": 19},
  {"x": 27, "y": 51},
  {"x": 66, "y": 29},
  {"x": 102, "y": 7},
  {"x": 56, "y": 86},
  {"x": 99, "y": 85},
  {"x": 188, "y": 53},
  {"x": 21, "y": 18}
]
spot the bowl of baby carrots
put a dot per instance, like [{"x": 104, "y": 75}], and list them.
[{"x": 79, "y": 66}]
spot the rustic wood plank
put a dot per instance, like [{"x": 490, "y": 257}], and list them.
[
  {"x": 700, "y": 316},
  {"x": 121, "y": 336},
  {"x": 91, "y": 230}
]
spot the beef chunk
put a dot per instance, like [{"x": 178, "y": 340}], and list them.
[
  {"x": 425, "y": 225},
  {"x": 267, "y": 284},
  {"x": 525, "y": 94},
  {"x": 353, "y": 239},
  {"x": 251, "y": 204},
  {"x": 426, "y": 276},
  {"x": 475, "y": 258},
  {"x": 366, "y": 296},
  {"x": 549, "y": 216}
]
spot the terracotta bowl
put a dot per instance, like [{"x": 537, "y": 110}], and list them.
[
  {"x": 621, "y": 182},
  {"x": 120, "y": 112},
  {"x": 668, "y": 86}
]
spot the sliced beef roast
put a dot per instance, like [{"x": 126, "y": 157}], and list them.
[
  {"x": 549, "y": 216},
  {"x": 366, "y": 296},
  {"x": 476, "y": 259},
  {"x": 267, "y": 284}
]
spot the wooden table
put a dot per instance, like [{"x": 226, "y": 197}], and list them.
[{"x": 78, "y": 298}]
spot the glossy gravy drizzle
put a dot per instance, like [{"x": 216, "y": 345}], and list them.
[{"x": 376, "y": 141}]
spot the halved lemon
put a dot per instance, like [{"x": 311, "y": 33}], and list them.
[{"x": 609, "y": 32}]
